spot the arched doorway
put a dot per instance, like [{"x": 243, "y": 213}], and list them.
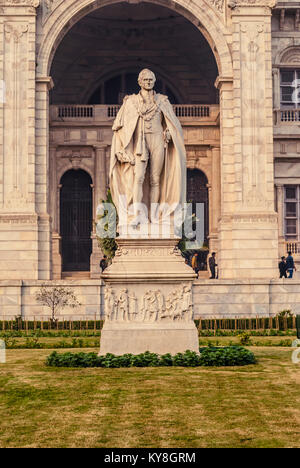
[
  {"x": 197, "y": 192},
  {"x": 76, "y": 220}
]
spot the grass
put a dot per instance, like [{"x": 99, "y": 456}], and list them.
[
  {"x": 254, "y": 406},
  {"x": 57, "y": 342}
]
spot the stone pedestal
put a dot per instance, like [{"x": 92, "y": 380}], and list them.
[{"x": 148, "y": 299}]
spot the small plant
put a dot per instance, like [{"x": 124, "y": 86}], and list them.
[
  {"x": 285, "y": 313},
  {"x": 108, "y": 243},
  {"x": 56, "y": 298},
  {"x": 244, "y": 339}
]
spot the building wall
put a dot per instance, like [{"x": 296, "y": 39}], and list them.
[
  {"x": 285, "y": 56},
  {"x": 239, "y": 35},
  {"x": 212, "y": 299}
]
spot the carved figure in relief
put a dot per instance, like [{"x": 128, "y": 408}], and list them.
[
  {"x": 109, "y": 304},
  {"x": 132, "y": 307},
  {"x": 153, "y": 305},
  {"x": 186, "y": 303},
  {"x": 123, "y": 306}
]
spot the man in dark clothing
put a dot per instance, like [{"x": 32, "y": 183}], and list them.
[
  {"x": 212, "y": 265},
  {"x": 290, "y": 265},
  {"x": 282, "y": 268},
  {"x": 103, "y": 263}
]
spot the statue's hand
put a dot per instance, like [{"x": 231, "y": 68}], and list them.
[{"x": 167, "y": 136}]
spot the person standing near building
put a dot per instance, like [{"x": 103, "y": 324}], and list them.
[
  {"x": 212, "y": 265},
  {"x": 282, "y": 268},
  {"x": 195, "y": 263},
  {"x": 290, "y": 265},
  {"x": 103, "y": 263}
]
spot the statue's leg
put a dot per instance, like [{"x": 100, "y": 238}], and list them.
[
  {"x": 139, "y": 177},
  {"x": 157, "y": 154}
]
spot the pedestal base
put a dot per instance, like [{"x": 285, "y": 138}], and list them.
[
  {"x": 148, "y": 299},
  {"x": 121, "y": 339}
]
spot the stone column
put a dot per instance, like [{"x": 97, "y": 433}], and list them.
[
  {"x": 280, "y": 211},
  {"x": 276, "y": 88},
  {"x": 21, "y": 229},
  {"x": 99, "y": 194},
  {"x": 43, "y": 175},
  {"x": 215, "y": 199},
  {"x": 249, "y": 232}
]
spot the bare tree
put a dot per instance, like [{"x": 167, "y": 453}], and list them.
[{"x": 56, "y": 298}]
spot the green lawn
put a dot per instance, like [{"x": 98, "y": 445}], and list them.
[{"x": 255, "y": 406}]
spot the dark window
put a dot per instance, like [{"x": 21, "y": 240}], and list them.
[
  {"x": 290, "y": 88},
  {"x": 291, "y": 210},
  {"x": 76, "y": 220},
  {"x": 197, "y": 192}
]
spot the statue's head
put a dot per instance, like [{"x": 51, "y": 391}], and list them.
[{"x": 146, "y": 79}]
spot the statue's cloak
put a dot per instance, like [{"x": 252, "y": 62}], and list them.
[{"x": 124, "y": 143}]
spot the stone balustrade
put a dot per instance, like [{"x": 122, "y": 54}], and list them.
[
  {"x": 294, "y": 247},
  {"x": 84, "y": 113},
  {"x": 286, "y": 117}
]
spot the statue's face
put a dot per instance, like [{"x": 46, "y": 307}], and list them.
[{"x": 147, "y": 82}]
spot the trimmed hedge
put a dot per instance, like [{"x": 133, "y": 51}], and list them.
[{"x": 227, "y": 356}]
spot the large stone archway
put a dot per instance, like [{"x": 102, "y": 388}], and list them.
[
  {"x": 61, "y": 16},
  {"x": 239, "y": 34}
]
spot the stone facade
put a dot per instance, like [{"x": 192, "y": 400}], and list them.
[{"x": 225, "y": 60}]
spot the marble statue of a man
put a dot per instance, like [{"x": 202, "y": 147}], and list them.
[{"x": 148, "y": 159}]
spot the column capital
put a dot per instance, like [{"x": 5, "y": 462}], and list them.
[
  {"x": 222, "y": 80},
  {"x": 47, "y": 80}
]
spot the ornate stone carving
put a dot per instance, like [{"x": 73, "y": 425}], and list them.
[
  {"x": 152, "y": 306},
  {"x": 15, "y": 31},
  {"x": 233, "y": 4},
  {"x": 218, "y": 4}
]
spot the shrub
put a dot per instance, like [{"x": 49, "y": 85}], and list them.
[
  {"x": 230, "y": 356},
  {"x": 245, "y": 339}
]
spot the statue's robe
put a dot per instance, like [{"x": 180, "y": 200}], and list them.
[{"x": 124, "y": 151}]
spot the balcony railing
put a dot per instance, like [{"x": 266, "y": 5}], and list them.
[
  {"x": 293, "y": 247},
  {"x": 63, "y": 113},
  {"x": 286, "y": 117}
]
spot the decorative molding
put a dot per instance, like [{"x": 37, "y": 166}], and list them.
[
  {"x": 18, "y": 219},
  {"x": 21, "y": 3},
  {"x": 75, "y": 155},
  {"x": 252, "y": 3},
  {"x": 291, "y": 55},
  {"x": 250, "y": 218}
]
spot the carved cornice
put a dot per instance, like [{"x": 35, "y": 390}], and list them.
[{"x": 21, "y": 3}]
